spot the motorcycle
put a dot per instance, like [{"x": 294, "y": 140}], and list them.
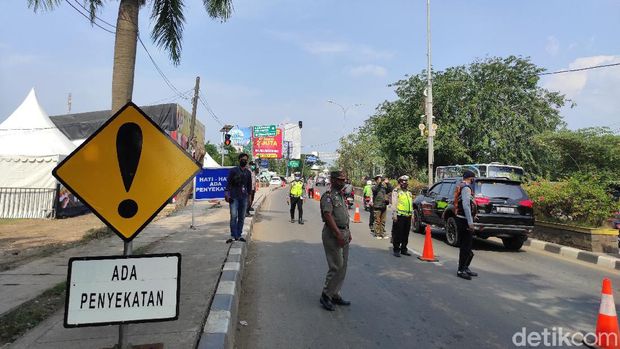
[{"x": 350, "y": 201}]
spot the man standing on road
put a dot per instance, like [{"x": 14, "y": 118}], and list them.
[
  {"x": 296, "y": 199},
  {"x": 368, "y": 205},
  {"x": 465, "y": 211},
  {"x": 402, "y": 219},
  {"x": 380, "y": 192},
  {"x": 238, "y": 188},
  {"x": 336, "y": 237}
]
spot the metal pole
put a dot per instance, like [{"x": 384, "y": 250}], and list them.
[
  {"x": 192, "y": 226},
  {"x": 122, "y": 329},
  {"x": 429, "y": 95},
  {"x": 222, "y": 147}
]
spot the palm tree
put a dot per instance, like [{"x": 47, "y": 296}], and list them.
[{"x": 167, "y": 33}]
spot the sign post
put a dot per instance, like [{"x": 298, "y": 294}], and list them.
[{"x": 126, "y": 172}]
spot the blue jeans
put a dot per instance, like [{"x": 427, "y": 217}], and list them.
[{"x": 237, "y": 216}]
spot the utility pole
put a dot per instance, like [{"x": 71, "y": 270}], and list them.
[
  {"x": 431, "y": 128},
  {"x": 190, "y": 141},
  {"x": 69, "y": 103}
]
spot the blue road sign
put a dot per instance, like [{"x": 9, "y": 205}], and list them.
[{"x": 211, "y": 183}]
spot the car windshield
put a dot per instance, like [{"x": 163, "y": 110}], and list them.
[{"x": 500, "y": 190}]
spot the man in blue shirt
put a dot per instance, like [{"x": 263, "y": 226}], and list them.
[{"x": 238, "y": 189}]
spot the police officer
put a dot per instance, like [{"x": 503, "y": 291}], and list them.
[
  {"x": 465, "y": 211},
  {"x": 402, "y": 221},
  {"x": 368, "y": 205},
  {"x": 336, "y": 237},
  {"x": 296, "y": 199},
  {"x": 380, "y": 192}
]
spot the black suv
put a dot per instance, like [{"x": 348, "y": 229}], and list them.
[{"x": 504, "y": 210}]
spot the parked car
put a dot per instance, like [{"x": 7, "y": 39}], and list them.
[
  {"x": 503, "y": 210},
  {"x": 275, "y": 181}
]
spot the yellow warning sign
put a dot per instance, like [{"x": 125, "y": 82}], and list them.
[{"x": 127, "y": 171}]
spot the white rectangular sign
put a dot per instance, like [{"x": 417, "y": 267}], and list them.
[{"x": 122, "y": 289}]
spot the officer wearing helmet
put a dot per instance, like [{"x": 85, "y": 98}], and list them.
[
  {"x": 368, "y": 205},
  {"x": 465, "y": 212},
  {"x": 401, "y": 221}
]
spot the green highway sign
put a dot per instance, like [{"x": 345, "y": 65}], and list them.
[
  {"x": 293, "y": 163},
  {"x": 264, "y": 131}
]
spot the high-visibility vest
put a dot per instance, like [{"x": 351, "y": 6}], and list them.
[
  {"x": 296, "y": 188},
  {"x": 405, "y": 203}
]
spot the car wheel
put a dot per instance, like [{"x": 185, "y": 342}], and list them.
[
  {"x": 513, "y": 244},
  {"x": 417, "y": 225},
  {"x": 452, "y": 232}
]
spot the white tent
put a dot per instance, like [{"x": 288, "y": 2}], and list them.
[
  {"x": 209, "y": 162},
  {"x": 30, "y": 147}
]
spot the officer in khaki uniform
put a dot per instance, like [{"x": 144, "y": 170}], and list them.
[{"x": 336, "y": 238}]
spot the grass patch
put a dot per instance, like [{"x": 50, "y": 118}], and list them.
[
  {"x": 28, "y": 315},
  {"x": 96, "y": 234},
  {"x": 8, "y": 220}
]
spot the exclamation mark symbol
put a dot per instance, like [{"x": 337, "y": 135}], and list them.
[{"x": 128, "y": 150}]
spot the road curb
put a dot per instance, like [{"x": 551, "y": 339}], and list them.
[
  {"x": 218, "y": 331},
  {"x": 574, "y": 253}
]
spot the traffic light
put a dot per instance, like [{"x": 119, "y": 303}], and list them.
[
  {"x": 227, "y": 139},
  {"x": 300, "y": 124}
]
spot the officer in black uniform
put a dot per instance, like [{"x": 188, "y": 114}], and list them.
[
  {"x": 465, "y": 211},
  {"x": 336, "y": 237}
]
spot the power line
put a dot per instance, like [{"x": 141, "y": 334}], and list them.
[
  {"x": 205, "y": 104},
  {"x": 161, "y": 73},
  {"x": 581, "y": 69},
  {"x": 87, "y": 17}
]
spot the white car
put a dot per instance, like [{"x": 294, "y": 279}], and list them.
[{"x": 275, "y": 181}]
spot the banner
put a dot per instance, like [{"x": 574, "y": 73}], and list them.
[
  {"x": 292, "y": 139},
  {"x": 267, "y": 147},
  {"x": 241, "y": 138},
  {"x": 211, "y": 183}
]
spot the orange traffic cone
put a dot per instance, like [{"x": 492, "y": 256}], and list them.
[
  {"x": 428, "y": 255},
  {"x": 356, "y": 216},
  {"x": 317, "y": 196},
  {"x": 607, "y": 334}
]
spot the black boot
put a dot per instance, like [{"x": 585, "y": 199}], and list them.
[
  {"x": 463, "y": 274},
  {"x": 466, "y": 269},
  {"x": 301, "y": 221},
  {"x": 326, "y": 302}
]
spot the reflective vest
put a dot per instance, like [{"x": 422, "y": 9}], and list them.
[
  {"x": 405, "y": 203},
  {"x": 368, "y": 190},
  {"x": 296, "y": 188},
  {"x": 458, "y": 200}
]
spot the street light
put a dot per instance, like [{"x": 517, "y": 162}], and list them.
[{"x": 344, "y": 110}]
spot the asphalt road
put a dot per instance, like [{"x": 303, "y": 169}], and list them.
[{"x": 404, "y": 302}]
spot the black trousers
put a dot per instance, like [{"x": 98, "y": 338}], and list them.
[
  {"x": 371, "y": 221},
  {"x": 466, "y": 237},
  {"x": 300, "y": 207},
  {"x": 400, "y": 233}
]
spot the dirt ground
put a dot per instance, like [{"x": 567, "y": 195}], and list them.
[{"x": 21, "y": 238}]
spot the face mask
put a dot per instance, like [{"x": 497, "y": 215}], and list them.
[{"x": 243, "y": 162}]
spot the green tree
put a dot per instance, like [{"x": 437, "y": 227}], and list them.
[
  {"x": 167, "y": 33},
  {"x": 593, "y": 150},
  {"x": 490, "y": 110},
  {"x": 212, "y": 150}
]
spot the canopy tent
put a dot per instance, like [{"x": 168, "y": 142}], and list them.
[
  {"x": 209, "y": 162},
  {"x": 30, "y": 147}
]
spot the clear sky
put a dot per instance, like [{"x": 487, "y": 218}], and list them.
[{"x": 281, "y": 60}]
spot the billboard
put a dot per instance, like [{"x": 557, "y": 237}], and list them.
[
  {"x": 267, "y": 147},
  {"x": 292, "y": 139},
  {"x": 241, "y": 138}
]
